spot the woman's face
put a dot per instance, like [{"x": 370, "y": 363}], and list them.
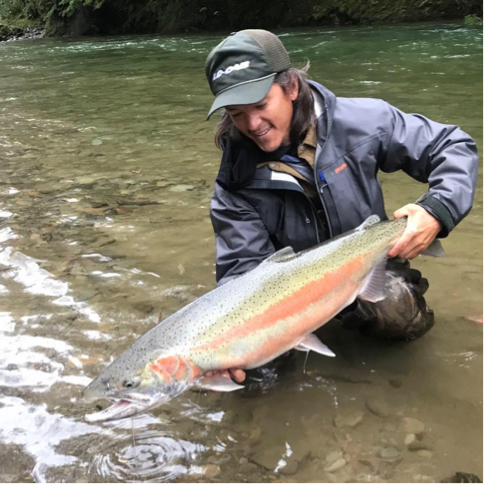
[{"x": 268, "y": 122}]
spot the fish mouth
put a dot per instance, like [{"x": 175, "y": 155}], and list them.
[{"x": 123, "y": 407}]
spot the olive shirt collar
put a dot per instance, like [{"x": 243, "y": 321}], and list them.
[{"x": 306, "y": 150}]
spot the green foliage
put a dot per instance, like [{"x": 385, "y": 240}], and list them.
[
  {"x": 472, "y": 20},
  {"x": 43, "y": 9},
  {"x": 78, "y": 17},
  {"x": 67, "y": 7}
]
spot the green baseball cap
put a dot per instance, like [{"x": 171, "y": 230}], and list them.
[{"x": 242, "y": 68}]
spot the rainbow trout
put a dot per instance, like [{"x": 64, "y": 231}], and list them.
[{"x": 249, "y": 321}]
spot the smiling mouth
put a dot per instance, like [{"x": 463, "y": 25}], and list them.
[{"x": 263, "y": 133}]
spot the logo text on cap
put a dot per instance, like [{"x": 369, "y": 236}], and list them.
[{"x": 235, "y": 67}]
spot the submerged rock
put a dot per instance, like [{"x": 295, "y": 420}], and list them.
[
  {"x": 334, "y": 456},
  {"x": 377, "y": 407},
  {"x": 290, "y": 468},
  {"x": 182, "y": 188},
  {"x": 336, "y": 465},
  {"x": 349, "y": 420},
  {"x": 389, "y": 453},
  {"x": 462, "y": 477},
  {"x": 395, "y": 383},
  {"x": 409, "y": 438},
  {"x": 411, "y": 425},
  {"x": 417, "y": 445}
]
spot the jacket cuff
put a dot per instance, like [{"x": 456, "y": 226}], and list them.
[{"x": 439, "y": 211}]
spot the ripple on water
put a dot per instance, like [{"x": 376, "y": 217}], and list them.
[{"x": 149, "y": 456}]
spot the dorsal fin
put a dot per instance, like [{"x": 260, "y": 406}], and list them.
[
  {"x": 282, "y": 255},
  {"x": 371, "y": 220}
]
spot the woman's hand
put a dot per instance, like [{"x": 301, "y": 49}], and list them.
[{"x": 421, "y": 230}]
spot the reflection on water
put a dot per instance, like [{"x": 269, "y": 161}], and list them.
[
  {"x": 39, "y": 432},
  {"x": 108, "y": 171}
]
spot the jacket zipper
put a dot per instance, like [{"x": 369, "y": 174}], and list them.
[{"x": 321, "y": 190}]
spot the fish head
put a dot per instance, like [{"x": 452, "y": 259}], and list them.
[{"x": 132, "y": 388}]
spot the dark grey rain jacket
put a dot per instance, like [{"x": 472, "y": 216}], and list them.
[{"x": 357, "y": 137}]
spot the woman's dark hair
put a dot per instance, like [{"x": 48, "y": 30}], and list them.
[{"x": 303, "y": 112}]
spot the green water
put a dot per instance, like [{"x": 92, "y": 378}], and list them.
[{"x": 107, "y": 168}]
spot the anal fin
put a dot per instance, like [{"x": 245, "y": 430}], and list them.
[{"x": 312, "y": 343}]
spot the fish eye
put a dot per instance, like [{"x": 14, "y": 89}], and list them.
[{"x": 133, "y": 383}]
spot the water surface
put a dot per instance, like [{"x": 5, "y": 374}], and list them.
[{"x": 107, "y": 174}]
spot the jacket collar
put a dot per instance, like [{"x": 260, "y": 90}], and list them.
[{"x": 239, "y": 160}]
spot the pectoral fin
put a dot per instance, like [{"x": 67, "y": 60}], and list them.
[
  {"x": 312, "y": 343},
  {"x": 373, "y": 289},
  {"x": 218, "y": 384}
]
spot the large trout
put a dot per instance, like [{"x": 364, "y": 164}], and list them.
[{"x": 249, "y": 321}]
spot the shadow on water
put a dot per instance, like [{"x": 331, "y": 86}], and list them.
[{"x": 104, "y": 229}]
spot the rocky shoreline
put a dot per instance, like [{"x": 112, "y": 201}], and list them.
[{"x": 8, "y": 34}]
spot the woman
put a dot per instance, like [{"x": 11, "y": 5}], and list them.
[{"x": 300, "y": 166}]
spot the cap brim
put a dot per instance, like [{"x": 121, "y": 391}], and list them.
[{"x": 247, "y": 93}]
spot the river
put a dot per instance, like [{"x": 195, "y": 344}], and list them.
[{"x": 107, "y": 174}]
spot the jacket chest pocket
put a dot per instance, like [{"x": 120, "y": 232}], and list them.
[{"x": 353, "y": 188}]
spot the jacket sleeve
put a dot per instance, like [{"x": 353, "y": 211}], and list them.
[
  {"x": 441, "y": 155},
  {"x": 242, "y": 240}
]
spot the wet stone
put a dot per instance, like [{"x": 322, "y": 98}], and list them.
[
  {"x": 210, "y": 470},
  {"x": 417, "y": 445},
  {"x": 182, "y": 188},
  {"x": 409, "y": 438},
  {"x": 336, "y": 465},
  {"x": 290, "y": 468},
  {"x": 248, "y": 468},
  {"x": 395, "y": 382},
  {"x": 224, "y": 459},
  {"x": 377, "y": 407},
  {"x": 411, "y": 425},
  {"x": 267, "y": 458},
  {"x": 334, "y": 456},
  {"x": 389, "y": 453},
  {"x": 427, "y": 454},
  {"x": 350, "y": 420},
  {"x": 255, "y": 434}
]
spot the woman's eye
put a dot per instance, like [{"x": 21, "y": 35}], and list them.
[{"x": 262, "y": 106}]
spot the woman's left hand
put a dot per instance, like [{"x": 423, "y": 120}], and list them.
[{"x": 421, "y": 230}]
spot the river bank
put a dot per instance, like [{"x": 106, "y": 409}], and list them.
[
  {"x": 110, "y": 17},
  {"x": 11, "y": 33}
]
